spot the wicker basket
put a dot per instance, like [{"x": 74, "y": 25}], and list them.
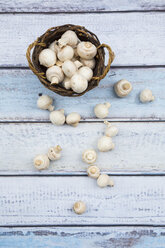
[{"x": 83, "y": 34}]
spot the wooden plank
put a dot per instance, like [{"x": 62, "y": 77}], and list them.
[
  {"x": 132, "y": 44},
  {"x": 49, "y": 200},
  {"x": 20, "y": 89},
  {"x": 139, "y": 148},
  {"x": 79, "y": 6},
  {"x": 91, "y": 237}
]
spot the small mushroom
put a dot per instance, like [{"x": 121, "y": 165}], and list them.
[
  {"x": 122, "y": 88},
  {"x": 146, "y": 96},
  {"x": 73, "y": 119},
  {"x": 68, "y": 38},
  {"x": 105, "y": 144},
  {"x": 57, "y": 117},
  {"x": 45, "y": 102},
  {"x": 104, "y": 180},
  {"x": 69, "y": 68},
  {"x": 41, "y": 162},
  {"x": 78, "y": 83},
  {"x": 47, "y": 57},
  {"x": 89, "y": 156},
  {"x": 86, "y": 72},
  {"x": 93, "y": 171},
  {"x": 88, "y": 62},
  {"x": 79, "y": 207},
  {"x": 66, "y": 83},
  {"x": 86, "y": 50},
  {"x": 66, "y": 53},
  {"x": 54, "y": 153},
  {"x": 111, "y": 130},
  {"x": 54, "y": 74},
  {"x": 101, "y": 110}
]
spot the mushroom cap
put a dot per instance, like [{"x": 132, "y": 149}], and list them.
[
  {"x": 44, "y": 102},
  {"x": 47, "y": 57},
  {"x": 79, "y": 207},
  {"x": 93, "y": 171},
  {"x": 122, "y": 88},
  {"x": 66, "y": 53},
  {"x": 70, "y": 38},
  {"x": 101, "y": 110},
  {"x": 54, "y": 71},
  {"x": 103, "y": 180},
  {"x": 146, "y": 95},
  {"x": 41, "y": 162},
  {"x": 66, "y": 83},
  {"x": 78, "y": 83},
  {"x": 105, "y": 144},
  {"x": 57, "y": 117},
  {"x": 54, "y": 153},
  {"x": 89, "y": 156},
  {"x": 73, "y": 118},
  {"x": 86, "y": 72},
  {"x": 88, "y": 62},
  {"x": 86, "y": 50},
  {"x": 69, "y": 68}
]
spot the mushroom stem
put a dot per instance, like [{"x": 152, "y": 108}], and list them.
[
  {"x": 108, "y": 124},
  {"x": 51, "y": 108},
  {"x": 126, "y": 86},
  {"x": 107, "y": 104},
  {"x": 58, "y": 148},
  {"x": 54, "y": 80}
]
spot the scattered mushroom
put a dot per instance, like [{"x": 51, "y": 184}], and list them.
[
  {"x": 111, "y": 130},
  {"x": 54, "y": 153},
  {"x": 146, "y": 96},
  {"x": 66, "y": 53},
  {"x": 86, "y": 72},
  {"x": 45, "y": 102},
  {"x": 41, "y": 162},
  {"x": 104, "y": 180},
  {"x": 88, "y": 62},
  {"x": 105, "y": 144},
  {"x": 68, "y": 38},
  {"x": 69, "y": 68},
  {"x": 101, "y": 110},
  {"x": 93, "y": 171},
  {"x": 47, "y": 57},
  {"x": 89, "y": 156},
  {"x": 73, "y": 119},
  {"x": 79, "y": 207},
  {"x": 57, "y": 117},
  {"x": 78, "y": 83},
  {"x": 54, "y": 74},
  {"x": 122, "y": 88},
  {"x": 86, "y": 50}
]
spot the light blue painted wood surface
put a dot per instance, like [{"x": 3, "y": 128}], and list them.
[
  {"x": 20, "y": 89},
  {"x": 83, "y": 237}
]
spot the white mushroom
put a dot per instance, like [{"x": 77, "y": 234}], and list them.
[
  {"x": 69, "y": 68},
  {"x": 66, "y": 83},
  {"x": 68, "y": 38},
  {"x": 54, "y": 47},
  {"x": 105, "y": 144},
  {"x": 101, "y": 110},
  {"x": 86, "y": 72},
  {"x": 88, "y": 62},
  {"x": 79, "y": 207},
  {"x": 41, "y": 162},
  {"x": 89, "y": 156},
  {"x": 104, "y": 180},
  {"x": 122, "y": 88},
  {"x": 78, "y": 64},
  {"x": 78, "y": 83},
  {"x": 54, "y": 153},
  {"x": 86, "y": 50},
  {"x": 47, "y": 57},
  {"x": 66, "y": 53},
  {"x": 93, "y": 171},
  {"x": 73, "y": 119},
  {"x": 146, "y": 96},
  {"x": 45, "y": 102},
  {"x": 55, "y": 74},
  {"x": 111, "y": 130},
  {"x": 57, "y": 117}
]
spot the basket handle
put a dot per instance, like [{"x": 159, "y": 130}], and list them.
[
  {"x": 35, "y": 43},
  {"x": 110, "y": 60}
]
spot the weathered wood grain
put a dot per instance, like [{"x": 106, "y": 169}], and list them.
[
  {"x": 20, "y": 88},
  {"x": 91, "y": 237},
  {"x": 139, "y": 148},
  {"x": 79, "y": 6},
  {"x": 49, "y": 201},
  {"x": 132, "y": 44}
]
